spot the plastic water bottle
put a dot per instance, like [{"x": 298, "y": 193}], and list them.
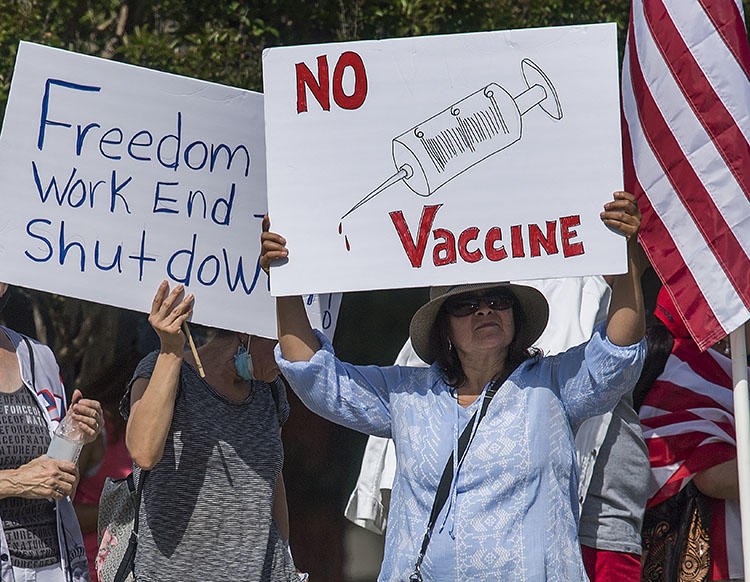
[{"x": 67, "y": 441}]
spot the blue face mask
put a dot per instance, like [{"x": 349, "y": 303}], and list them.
[{"x": 243, "y": 364}]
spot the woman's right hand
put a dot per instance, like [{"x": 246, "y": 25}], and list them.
[
  {"x": 168, "y": 315},
  {"x": 44, "y": 478},
  {"x": 272, "y": 246},
  {"x": 152, "y": 399}
]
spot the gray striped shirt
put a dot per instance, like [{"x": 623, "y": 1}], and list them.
[{"x": 206, "y": 508}]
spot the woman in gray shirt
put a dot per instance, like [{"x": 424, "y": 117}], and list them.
[{"x": 214, "y": 505}]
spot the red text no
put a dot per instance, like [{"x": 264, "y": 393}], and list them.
[{"x": 319, "y": 86}]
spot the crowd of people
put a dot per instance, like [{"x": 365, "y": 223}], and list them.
[{"x": 495, "y": 476}]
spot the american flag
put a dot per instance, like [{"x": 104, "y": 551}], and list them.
[
  {"x": 688, "y": 425},
  {"x": 686, "y": 146}
]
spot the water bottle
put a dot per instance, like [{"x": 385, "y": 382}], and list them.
[{"x": 67, "y": 441}]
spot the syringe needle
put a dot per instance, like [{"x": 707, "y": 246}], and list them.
[{"x": 400, "y": 175}]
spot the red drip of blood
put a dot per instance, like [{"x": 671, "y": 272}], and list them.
[
  {"x": 339, "y": 228},
  {"x": 346, "y": 240}
]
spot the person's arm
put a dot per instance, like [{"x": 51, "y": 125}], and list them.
[
  {"x": 296, "y": 338},
  {"x": 720, "y": 481},
  {"x": 626, "y": 323},
  {"x": 612, "y": 365},
  {"x": 40, "y": 478},
  {"x": 280, "y": 510},
  {"x": 357, "y": 397},
  {"x": 152, "y": 400}
]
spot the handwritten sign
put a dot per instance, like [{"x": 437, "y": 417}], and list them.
[
  {"x": 323, "y": 312},
  {"x": 116, "y": 177},
  {"x": 437, "y": 160}
]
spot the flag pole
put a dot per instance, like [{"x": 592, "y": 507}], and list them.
[{"x": 742, "y": 428}]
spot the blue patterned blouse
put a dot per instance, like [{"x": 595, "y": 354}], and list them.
[{"x": 512, "y": 513}]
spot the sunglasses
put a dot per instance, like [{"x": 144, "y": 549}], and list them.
[{"x": 463, "y": 306}]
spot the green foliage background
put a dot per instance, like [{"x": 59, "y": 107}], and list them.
[{"x": 222, "y": 41}]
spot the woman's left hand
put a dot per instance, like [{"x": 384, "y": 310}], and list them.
[
  {"x": 626, "y": 322},
  {"x": 88, "y": 416},
  {"x": 622, "y": 215}
]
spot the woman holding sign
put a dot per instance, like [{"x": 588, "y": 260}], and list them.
[
  {"x": 214, "y": 502},
  {"x": 40, "y": 539},
  {"x": 485, "y": 486}
]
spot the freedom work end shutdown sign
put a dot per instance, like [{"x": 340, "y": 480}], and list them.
[{"x": 115, "y": 177}]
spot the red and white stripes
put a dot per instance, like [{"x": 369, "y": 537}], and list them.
[
  {"x": 686, "y": 106},
  {"x": 687, "y": 417},
  {"x": 688, "y": 425}
]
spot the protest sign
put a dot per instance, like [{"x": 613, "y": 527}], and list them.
[
  {"x": 437, "y": 160},
  {"x": 323, "y": 312},
  {"x": 115, "y": 177}
]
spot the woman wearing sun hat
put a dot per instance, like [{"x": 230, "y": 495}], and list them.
[{"x": 509, "y": 509}]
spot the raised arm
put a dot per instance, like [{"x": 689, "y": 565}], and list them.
[
  {"x": 152, "y": 400},
  {"x": 626, "y": 323},
  {"x": 296, "y": 338}
]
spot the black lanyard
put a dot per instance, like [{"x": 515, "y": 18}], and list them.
[{"x": 441, "y": 495}]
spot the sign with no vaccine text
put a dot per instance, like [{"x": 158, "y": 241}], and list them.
[{"x": 443, "y": 159}]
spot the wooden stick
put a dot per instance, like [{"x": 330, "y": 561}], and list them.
[{"x": 186, "y": 329}]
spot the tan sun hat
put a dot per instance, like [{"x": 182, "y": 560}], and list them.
[{"x": 533, "y": 304}]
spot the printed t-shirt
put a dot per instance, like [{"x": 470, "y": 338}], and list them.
[
  {"x": 206, "y": 506},
  {"x": 30, "y": 525}
]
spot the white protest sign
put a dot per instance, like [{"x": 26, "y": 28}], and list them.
[
  {"x": 445, "y": 159},
  {"x": 323, "y": 312},
  {"x": 116, "y": 177}
]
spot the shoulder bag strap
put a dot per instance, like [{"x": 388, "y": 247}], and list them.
[
  {"x": 127, "y": 565},
  {"x": 443, "y": 489}
]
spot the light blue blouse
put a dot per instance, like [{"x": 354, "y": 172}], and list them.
[{"x": 514, "y": 513}]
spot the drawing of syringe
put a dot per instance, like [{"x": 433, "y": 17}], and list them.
[{"x": 469, "y": 131}]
